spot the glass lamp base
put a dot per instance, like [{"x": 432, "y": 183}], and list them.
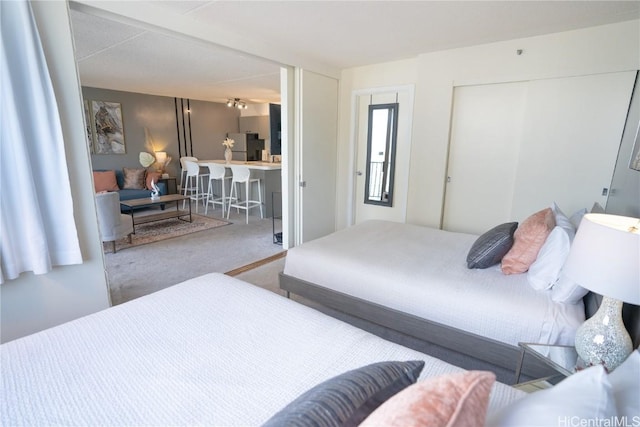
[{"x": 603, "y": 339}]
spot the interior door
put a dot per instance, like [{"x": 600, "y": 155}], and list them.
[
  {"x": 398, "y": 211},
  {"x": 317, "y": 156}
]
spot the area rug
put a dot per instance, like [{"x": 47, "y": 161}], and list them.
[{"x": 165, "y": 229}]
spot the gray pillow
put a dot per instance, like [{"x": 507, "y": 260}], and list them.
[
  {"x": 347, "y": 399},
  {"x": 489, "y": 248}
]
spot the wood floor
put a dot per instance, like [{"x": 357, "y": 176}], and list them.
[{"x": 256, "y": 264}]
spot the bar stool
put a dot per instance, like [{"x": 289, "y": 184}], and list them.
[
  {"x": 194, "y": 184},
  {"x": 183, "y": 169},
  {"x": 241, "y": 176},
  {"x": 216, "y": 175}
]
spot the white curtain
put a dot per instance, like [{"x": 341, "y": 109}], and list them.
[{"x": 37, "y": 227}]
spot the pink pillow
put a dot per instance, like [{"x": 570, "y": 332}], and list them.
[
  {"x": 528, "y": 239},
  {"x": 105, "y": 181},
  {"x": 134, "y": 178},
  {"x": 155, "y": 176},
  {"x": 459, "y": 399}
]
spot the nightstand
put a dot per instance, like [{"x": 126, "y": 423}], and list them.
[{"x": 562, "y": 359}]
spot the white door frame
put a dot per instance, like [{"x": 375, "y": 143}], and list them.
[
  {"x": 288, "y": 105},
  {"x": 353, "y": 141}
]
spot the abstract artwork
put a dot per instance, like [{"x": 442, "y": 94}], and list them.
[
  {"x": 109, "y": 131},
  {"x": 87, "y": 118}
]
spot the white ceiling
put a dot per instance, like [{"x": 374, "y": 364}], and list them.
[{"x": 119, "y": 54}]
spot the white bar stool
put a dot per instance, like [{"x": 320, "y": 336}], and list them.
[
  {"x": 216, "y": 175},
  {"x": 194, "y": 184},
  {"x": 241, "y": 176},
  {"x": 183, "y": 169}
]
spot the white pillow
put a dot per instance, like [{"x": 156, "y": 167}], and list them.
[
  {"x": 582, "y": 397},
  {"x": 563, "y": 221},
  {"x": 545, "y": 270},
  {"x": 576, "y": 218},
  {"x": 567, "y": 291},
  {"x": 625, "y": 382}
]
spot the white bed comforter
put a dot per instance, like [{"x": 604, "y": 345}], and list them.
[
  {"x": 422, "y": 271},
  {"x": 210, "y": 351}
]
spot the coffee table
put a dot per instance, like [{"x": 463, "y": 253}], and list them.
[{"x": 131, "y": 205}]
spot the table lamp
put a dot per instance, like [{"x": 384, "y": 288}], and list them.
[
  {"x": 161, "y": 158},
  {"x": 605, "y": 259}
]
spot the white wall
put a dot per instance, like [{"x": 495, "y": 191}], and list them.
[
  {"x": 255, "y": 110},
  {"x": 32, "y": 303},
  {"x": 594, "y": 50}
]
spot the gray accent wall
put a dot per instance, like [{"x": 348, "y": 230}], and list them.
[{"x": 205, "y": 127}]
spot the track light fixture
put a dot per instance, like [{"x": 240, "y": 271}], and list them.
[{"x": 236, "y": 103}]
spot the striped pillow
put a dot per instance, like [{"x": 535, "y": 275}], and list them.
[
  {"x": 346, "y": 400},
  {"x": 489, "y": 248}
]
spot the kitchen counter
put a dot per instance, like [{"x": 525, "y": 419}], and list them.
[
  {"x": 269, "y": 174},
  {"x": 265, "y": 166}
]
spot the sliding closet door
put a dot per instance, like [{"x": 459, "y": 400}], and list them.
[
  {"x": 570, "y": 141},
  {"x": 516, "y": 148},
  {"x": 485, "y": 138}
]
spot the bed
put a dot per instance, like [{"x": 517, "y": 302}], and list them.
[
  {"x": 210, "y": 351},
  {"x": 415, "y": 280}
]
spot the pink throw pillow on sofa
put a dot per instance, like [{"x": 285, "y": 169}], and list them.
[
  {"x": 528, "y": 239},
  {"x": 459, "y": 399},
  {"x": 105, "y": 181},
  {"x": 134, "y": 179}
]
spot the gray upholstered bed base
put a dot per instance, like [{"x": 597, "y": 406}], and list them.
[{"x": 481, "y": 348}]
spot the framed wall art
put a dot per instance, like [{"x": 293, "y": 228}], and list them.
[
  {"x": 108, "y": 128},
  {"x": 87, "y": 118}
]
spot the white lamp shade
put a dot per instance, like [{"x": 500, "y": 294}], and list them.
[
  {"x": 605, "y": 256},
  {"x": 161, "y": 156}
]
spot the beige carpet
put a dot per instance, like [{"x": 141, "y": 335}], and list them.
[{"x": 165, "y": 229}]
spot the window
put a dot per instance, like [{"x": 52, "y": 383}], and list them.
[{"x": 381, "y": 144}]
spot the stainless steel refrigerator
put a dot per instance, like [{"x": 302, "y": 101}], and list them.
[{"x": 247, "y": 147}]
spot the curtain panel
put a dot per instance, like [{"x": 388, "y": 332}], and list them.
[{"x": 37, "y": 228}]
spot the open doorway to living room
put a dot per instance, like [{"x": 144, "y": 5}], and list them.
[
  {"x": 171, "y": 94},
  {"x": 233, "y": 248}
]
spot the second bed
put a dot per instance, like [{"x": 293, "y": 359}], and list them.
[{"x": 415, "y": 280}]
